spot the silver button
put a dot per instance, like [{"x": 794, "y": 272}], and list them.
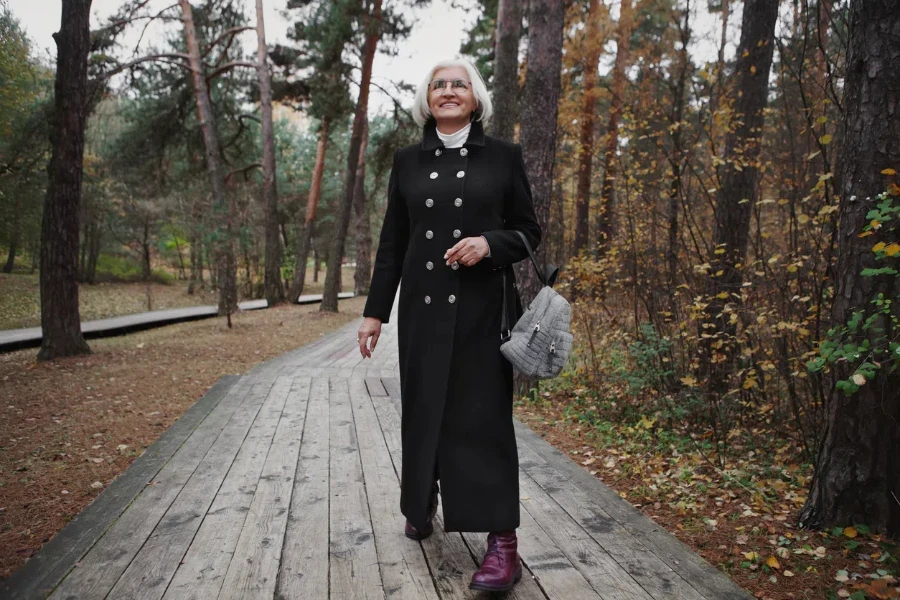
[
  {"x": 454, "y": 265},
  {"x": 451, "y": 299},
  {"x": 458, "y": 202},
  {"x": 427, "y": 299},
  {"x": 429, "y": 265},
  {"x": 437, "y": 152},
  {"x": 429, "y": 203},
  {"x": 460, "y": 174},
  {"x": 429, "y": 234},
  {"x": 434, "y": 175},
  {"x": 463, "y": 151},
  {"x": 456, "y": 233}
]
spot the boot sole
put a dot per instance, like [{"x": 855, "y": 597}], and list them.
[
  {"x": 484, "y": 587},
  {"x": 420, "y": 536}
]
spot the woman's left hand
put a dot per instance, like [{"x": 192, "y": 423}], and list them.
[{"x": 468, "y": 251}]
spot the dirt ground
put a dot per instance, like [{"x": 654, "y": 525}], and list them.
[{"x": 69, "y": 427}]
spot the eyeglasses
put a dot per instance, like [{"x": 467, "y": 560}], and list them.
[{"x": 458, "y": 85}]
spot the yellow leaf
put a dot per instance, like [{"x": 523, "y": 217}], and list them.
[
  {"x": 850, "y": 532},
  {"x": 751, "y": 556},
  {"x": 878, "y": 246},
  {"x": 893, "y": 249},
  {"x": 825, "y": 139},
  {"x": 749, "y": 383},
  {"x": 689, "y": 381},
  {"x": 803, "y": 218},
  {"x": 865, "y": 233},
  {"x": 889, "y": 172},
  {"x": 773, "y": 562},
  {"x": 822, "y": 120},
  {"x": 722, "y": 295}
]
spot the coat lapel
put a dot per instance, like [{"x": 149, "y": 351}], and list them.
[{"x": 431, "y": 141}]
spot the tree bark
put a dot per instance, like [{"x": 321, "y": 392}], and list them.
[
  {"x": 676, "y": 158},
  {"x": 738, "y": 192},
  {"x": 342, "y": 223},
  {"x": 506, "y": 68},
  {"x": 60, "y": 227},
  {"x": 606, "y": 217},
  {"x": 305, "y": 229},
  {"x": 274, "y": 289},
  {"x": 226, "y": 276},
  {"x": 589, "y": 100},
  {"x": 363, "y": 272},
  {"x": 857, "y": 477}
]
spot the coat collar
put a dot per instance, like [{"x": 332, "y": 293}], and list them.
[{"x": 430, "y": 139}]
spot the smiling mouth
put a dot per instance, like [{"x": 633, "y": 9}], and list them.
[{"x": 450, "y": 105}]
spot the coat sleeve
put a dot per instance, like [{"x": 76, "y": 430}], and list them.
[
  {"x": 518, "y": 214},
  {"x": 391, "y": 252}
]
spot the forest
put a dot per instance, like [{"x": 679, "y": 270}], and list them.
[{"x": 717, "y": 180}]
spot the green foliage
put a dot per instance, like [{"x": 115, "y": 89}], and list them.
[
  {"x": 650, "y": 363},
  {"x": 868, "y": 342},
  {"x": 125, "y": 269}
]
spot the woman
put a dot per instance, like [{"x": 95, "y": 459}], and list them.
[{"x": 454, "y": 203}]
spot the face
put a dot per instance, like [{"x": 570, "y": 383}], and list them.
[{"x": 449, "y": 104}]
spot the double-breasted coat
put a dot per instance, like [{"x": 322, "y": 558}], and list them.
[{"x": 456, "y": 386}]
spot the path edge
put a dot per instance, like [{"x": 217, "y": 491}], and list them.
[{"x": 52, "y": 562}]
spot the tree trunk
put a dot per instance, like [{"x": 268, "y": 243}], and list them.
[
  {"x": 305, "y": 230},
  {"x": 94, "y": 250},
  {"x": 14, "y": 238},
  {"x": 60, "y": 318},
  {"x": 857, "y": 477},
  {"x": 274, "y": 290},
  {"x": 223, "y": 241},
  {"x": 676, "y": 158},
  {"x": 316, "y": 263},
  {"x": 145, "y": 252},
  {"x": 592, "y": 49},
  {"x": 506, "y": 68},
  {"x": 738, "y": 192},
  {"x": 363, "y": 273},
  {"x": 342, "y": 223},
  {"x": 541, "y": 105},
  {"x": 606, "y": 217}
]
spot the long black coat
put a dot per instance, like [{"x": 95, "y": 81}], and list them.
[{"x": 456, "y": 386}]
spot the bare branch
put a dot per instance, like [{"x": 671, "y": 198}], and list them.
[
  {"x": 229, "y": 66},
  {"x": 156, "y": 57},
  {"x": 229, "y": 33},
  {"x": 147, "y": 24},
  {"x": 245, "y": 170}
]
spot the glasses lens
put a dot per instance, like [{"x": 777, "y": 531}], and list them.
[
  {"x": 437, "y": 84},
  {"x": 460, "y": 85}
]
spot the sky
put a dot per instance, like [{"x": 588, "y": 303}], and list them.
[{"x": 438, "y": 31}]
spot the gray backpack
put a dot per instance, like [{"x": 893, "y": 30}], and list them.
[{"x": 540, "y": 342}]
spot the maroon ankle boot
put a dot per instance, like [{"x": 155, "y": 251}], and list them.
[
  {"x": 501, "y": 568},
  {"x": 413, "y": 533}
]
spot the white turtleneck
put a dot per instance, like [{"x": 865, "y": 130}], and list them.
[{"x": 455, "y": 139}]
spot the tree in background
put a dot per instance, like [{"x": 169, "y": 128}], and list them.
[
  {"x": 738, "y": 192},
  {"x": 541, "y": 106},
  {"x": 506, "y": 68},
  {"x": 60, "y": 317},
  {"x": 273, "y": 285},
  {"x": 857, "y": 478}
]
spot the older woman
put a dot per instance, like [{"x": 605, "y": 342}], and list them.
[{"x": 455, "y": 201}]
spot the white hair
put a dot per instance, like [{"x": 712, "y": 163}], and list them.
[{"x": 483, "y": 107}]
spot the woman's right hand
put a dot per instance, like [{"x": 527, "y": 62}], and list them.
[{"x": 370, "y": 329}]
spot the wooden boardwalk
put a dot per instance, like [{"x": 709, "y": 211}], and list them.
[
  {"x": 283, "y": 483},
  {"x": 30, "y": 337}
]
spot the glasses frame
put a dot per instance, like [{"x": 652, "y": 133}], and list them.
[{"x": 433, "y": 89}]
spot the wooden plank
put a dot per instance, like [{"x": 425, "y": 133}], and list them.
[
  {"x": 656, "y": 577},
  {"x": 151, "y": 570},
  {"x": 703, "y": 577},
  {"x": 203, "y": 567},
  {"x": 304, "y": 554},
  {"x": 44, "y": 570},
  {"x": 404, "y": 570},
  {"x": 254, "y": 566},
  {"x": 353, "y": 562},
  {"x": 99, "y": 570},
  {"x": 604, "y": 574}
]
